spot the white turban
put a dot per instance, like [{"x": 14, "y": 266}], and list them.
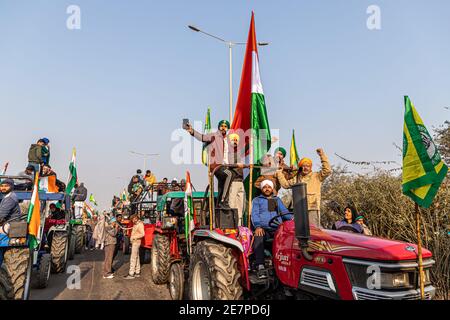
[{"x": 267, "y": 182}]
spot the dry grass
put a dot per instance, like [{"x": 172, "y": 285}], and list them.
[{"x": 390, "y": 214}]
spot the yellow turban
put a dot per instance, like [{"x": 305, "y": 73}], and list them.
[
  {"x": 304, "y": 161},
  {"x": 234, "y": 136}
]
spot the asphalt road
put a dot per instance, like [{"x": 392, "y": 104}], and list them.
[{"x": 94, "y": 287}]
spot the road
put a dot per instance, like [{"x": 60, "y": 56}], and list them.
[{"x": 94, "y": 287}]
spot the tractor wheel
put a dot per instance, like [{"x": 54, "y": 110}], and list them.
[
  {"x": 72, "y": 244},
  {"x": 144, "y": 255},
  {"x": 18, "y": 265},
  {"x": 59, "y": 251},
  {"x": 176, "y": 281},
  {"x": 126, "y": 245},
  {"x": 79, "y": 239},
  {"x": 5, "y": 285},
  {"x": 160, "y": 264},
  {"x": 214, "y": 273},
  {"x": 43, "y": 273}
]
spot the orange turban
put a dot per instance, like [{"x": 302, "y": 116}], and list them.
[{"x": 304, "y": 161}]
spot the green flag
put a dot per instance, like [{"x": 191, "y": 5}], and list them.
[
  {"x": 293, "y": 156},
  {"x": 72, "y": 173},
  {"x": 206, "y": 130},
  {"x": 92, "y": 199},
  {"x": 423, "y": 168}
]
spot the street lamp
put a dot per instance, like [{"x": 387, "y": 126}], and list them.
[
  {"x": 145, "y": 155},
  {"x": 230, "y": 47}
]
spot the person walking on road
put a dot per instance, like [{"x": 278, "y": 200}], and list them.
[
  {"x": 137, "y": 233},
  {"x": 110, "y": 244}
]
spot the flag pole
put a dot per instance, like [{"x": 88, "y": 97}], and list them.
[
  {"x": 250, "y": 186},
  {"x": 419, "y": 249}
]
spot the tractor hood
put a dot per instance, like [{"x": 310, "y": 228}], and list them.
[{"x": 359, "y": 246}]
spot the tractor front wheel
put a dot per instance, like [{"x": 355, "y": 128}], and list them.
[
  {"x": 176, "y": 281},
  {"x": 160, "y": 261},
  {"x": 43, "y": 273},
  {"x": 18, "y": 265},
  {"x": 79, "y": 236},
  {"x": 59, "y": 251},
  {"x": 214, "y": 273}
]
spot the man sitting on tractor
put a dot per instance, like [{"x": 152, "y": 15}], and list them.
[
  {"x": 9, "y": 206},
  {"x": 56, "y": 212},
  {"x": 265, "y": 210}
]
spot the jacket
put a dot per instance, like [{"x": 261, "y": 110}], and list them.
[
  {"x": 110, "y": 235},
  {"x": 313, "y": 182},
  {"x": 151, "y": 179},
  {"x": 261, "y": 215},
  {"x": 137, "y": 233},
  {"x": 35, "y": 154},
  {"x": 215, "y": 146},
  {"x": 9, "y": 207},
  {"x": 80, "y": 193}
]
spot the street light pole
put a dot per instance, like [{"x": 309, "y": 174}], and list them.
[
  {"x": 230, "y": 60},
  {"x": 145, "y": 155}
]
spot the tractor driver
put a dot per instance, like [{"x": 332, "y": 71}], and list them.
[
  {"x": 56, "y": 213},
  {"x": 9, "y": 206},
  {"x": 262, "y": 214}
]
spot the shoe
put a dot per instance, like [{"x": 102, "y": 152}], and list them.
[
  {"x": 262, "y": 272},
  {"x": 137, "y": 275},
  {"x": 128, "y": 277},
  {"x": 109, "y": 276}
]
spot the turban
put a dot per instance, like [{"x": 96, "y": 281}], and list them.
[
  {"x": 282, "y": 150},
  {"x": 266, "y": 182},
  {"x": 234, "y": 136},
  {"x": 221, "y": 122},
  {"x": 304, "y": 161}
]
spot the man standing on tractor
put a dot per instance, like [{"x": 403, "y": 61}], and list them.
[
  {"x": 262, "y": 214},
  {"x": 137, "y": 233},
  {"x": 9, "y": 206},
  {"x": 237, "y": 190},
  {"x": 313, "y": 182},
  {"x": 218, "y": 149},
  {"x": 79, "y": 196},
  {"x": 35, "y": 155},
  {"x": 46, "y": 151}
]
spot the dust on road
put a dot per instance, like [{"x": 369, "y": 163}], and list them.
[{"x": 94, "y": 287}]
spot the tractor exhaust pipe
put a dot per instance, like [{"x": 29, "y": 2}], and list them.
[{"x": 301, "y": 218}]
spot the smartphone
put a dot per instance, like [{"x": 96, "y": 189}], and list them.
[{"x": 185, "y": 123}]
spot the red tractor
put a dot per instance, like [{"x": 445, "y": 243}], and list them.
[
  {"x": 165, "y": 240},
  {"x": 303, "y": 262}
]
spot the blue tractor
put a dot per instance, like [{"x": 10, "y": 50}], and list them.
[{"x": 19, "y": 264}]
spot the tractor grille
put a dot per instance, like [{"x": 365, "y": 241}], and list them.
[
  {"x": 317, "y": 279},
  {"x": 363, "y": 294}
]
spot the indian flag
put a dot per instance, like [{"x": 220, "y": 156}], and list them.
[
  {"x": 293, "y": 156},
  {"x": 124, "y": 195},
  {"x": 90, "y": 212},
  {"x": 72, "y": 181},
  {"x": 250, "y": 118},
  {"x": 423, "y": 168},
  {"x": 34, "y": 215},
  {"x": 48, "y": 184},
  {"x": 207, "y": 129},
  {"x": 189, "y": 217}
]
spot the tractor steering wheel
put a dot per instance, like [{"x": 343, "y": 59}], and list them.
[{"x": 274, "y": 223}]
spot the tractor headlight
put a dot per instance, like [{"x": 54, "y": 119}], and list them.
[
  {"x": 169, "y": 222},
  {"x": 17, "y": 241},
  {"x": 394, "y": 280}
]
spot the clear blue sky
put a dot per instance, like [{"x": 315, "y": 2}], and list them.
[{"x": 134, "y": 70}]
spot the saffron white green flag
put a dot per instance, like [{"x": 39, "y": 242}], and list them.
[
  {"x": 72, "y": 181},
  {"x": 189, "y": 217}
]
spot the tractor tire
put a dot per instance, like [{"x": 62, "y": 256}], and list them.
[
  {"x": 176, "y": 281},
  {"x": 214, "y": 273},
  {"x": 79, "y": 236},
  {"x": 43, "y": 274},
  {"x": 72, "y": 244},
  {"x": 18, "y": 265},
  {"x": 144, "y": 255},
  {"x": 5, "y": 285},
  {"x": 59, "y": 252},
  {"x": 160, "y": 260},
  {"x": 126, "y": 245}
]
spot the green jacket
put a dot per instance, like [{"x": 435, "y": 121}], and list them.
[{"x": 35, "y": 154}]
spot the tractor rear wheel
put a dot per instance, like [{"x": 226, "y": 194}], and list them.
[
  {"x": 176, "y": 281},
  {"x": 18, "y": 265},
  {"x": 160, "y": 261},
  {"x": 43, "y": 273},
  {"x": 5, "y": 285},
  {"x": 214, "y": 273},
  {"x": 59, "y": 251},
  {"x": 79, "y": 239}
]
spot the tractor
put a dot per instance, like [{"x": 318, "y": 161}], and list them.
[
  {"x": 166, "y": 241},
  {"x": 19, "y": 263},
  {"x": 302, "y": 262}
]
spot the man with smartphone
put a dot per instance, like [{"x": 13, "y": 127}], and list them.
[{"x": 218, "y": 150}]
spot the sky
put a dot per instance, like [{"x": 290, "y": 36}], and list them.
[{"x": 125, "y": 80}]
